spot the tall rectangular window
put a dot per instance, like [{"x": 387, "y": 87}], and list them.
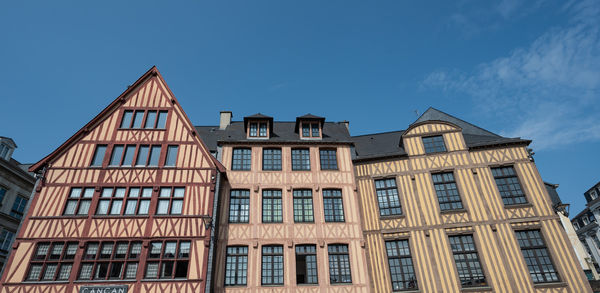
[
  {"x": 447, "y": 192},
  {"x": 303, "y": 206},
  {"x": 171, "y": 158},
  {"x": 271, "y": 206},
  {"x": 170, "y": 201},
  {"x": 434, "y": 144},
  {"x": 242, "y": 158},
  {"x": 253, "y": 129},
  {"x": 401, "y": 265},
  {"x": 467, "y": 262},
  {"x": 300, "y": 160},
  {"x": 236, "y": 266},
  {"x": 126, "y": 121},
  {"x": 272, "y": 159},
  {"x": 314, "y": 130},
  {"x": 6, "y": 238},
  {"x": 142, "y": 156},
  {"x": 306, "y": 264},
  {"x": 52, "y": 261},
  {"x": 328, "y": 159},
  {"x": 79, "y": 201},
  {"x": 110, "y": 260},
  {"x": 306, "y": 129},
  {"x": 508, "y": 185},
  {"x": 128, "y": 156},
  {"x": 99, "y": 155},
  {"x": 239, "y": 206},
  {"x": 387, "y": 197},
  {"x": 18, "y": 207},
  {"x": 262, "y": 130},
  {"x": 272, "y": 265},
  {"x": 333, "y": 205},
  {"x": 537, "y": 256},
  {"x": 168, "y": 260},
  {"x": 162, "y": 119},
  {"x": 339, "y": 264},
  {"x": 150, "y": 122},
  {"x": 138, "y": 119}
]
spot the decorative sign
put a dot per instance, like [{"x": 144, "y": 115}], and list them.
[{"x": 104, "y": 289}]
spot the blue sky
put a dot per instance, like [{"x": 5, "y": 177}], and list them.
[{"x": 529, "y": 68}]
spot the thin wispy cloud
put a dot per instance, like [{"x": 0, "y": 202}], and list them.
[{"x": 549, "y": 90}]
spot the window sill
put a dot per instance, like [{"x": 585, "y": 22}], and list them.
[
  {"x": 118, "y": 216},
  {"x": 550, "y": 285},
  {"x": 105, "y": 281},
  {"x": 170, "y": 280},
  {"x": 45, "y": 282},
  {"x": 148, "y": 129},
  {"x": 477, "y": 289},
  {"x": 307, "y": 285},
  {"x": 519, "y": 205},
  {"x": 392, "y": 217},
  {"x": 457, "y": 211}
]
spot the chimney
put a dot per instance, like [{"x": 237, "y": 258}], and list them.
[
  {"x": 346, "y": 123},
  {"x": 225, "y": 119}
]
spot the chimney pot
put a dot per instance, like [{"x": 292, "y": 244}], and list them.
[{"x": 225, "y": 119}]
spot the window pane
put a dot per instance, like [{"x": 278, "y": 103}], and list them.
[
  {"x": 300, "y": 160},
  {"x": 126, "y": 121},
  {"x": 162, "y": 120},
  {"x": 142, "y": 156},
  {"x": 103, "y": 207},
  {"x": 467, "y": 261},
  {"x": 387, "y": 197},
  {"x": 130, "y": 208},
  {"x": 116, "y": 207},
  {"x": 176, "y": 207},
  {"x": 70, "y": 208},
  {"x": 99, "y": 155},
  {"x": 328, "y": 160},
  {"x": 446, "y": 190},
  {"x": 137, "y": 119},
  {"x": 117, "y": 154},
  {"x": 154, "y": 156},
  {"x": 128, "y": 158},
  {"x": 241, "y": 159},
  {"x": 131, "y": 270},
  {"x": 144, "y": 207},
  {"x": 171, "y": 155},
  {"x": 400, "y": 265},
  {"x": 163, "y": 207},
  {"x": 263, "y": 130},
  {"x": 150, "y": 120},
  {"x": 86, "y": 271},
  {"x": 315, "y": 130},
  {"x": 434, "y": 144},
  {"x": 253, "y": 129}
]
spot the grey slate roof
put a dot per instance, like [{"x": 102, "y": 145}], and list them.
[
  {"x": 554, "y": 197},
  {"x": 388, "y": 144},
  {"x": 283, "y": 132}
]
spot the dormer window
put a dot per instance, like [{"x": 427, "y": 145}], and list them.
[
  {"x": 258, "y": 129},
  {"x": 310, "y": 126},
  {"x": 7, "y": 147},
  {"x": 593, "y": 194},
  {"x": 258, "y": 126},
  {"x": 311, "y": 130}
]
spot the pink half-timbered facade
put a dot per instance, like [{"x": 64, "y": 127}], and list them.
[{"x": 126, "y": 203}]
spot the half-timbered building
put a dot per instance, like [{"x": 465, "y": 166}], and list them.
[
  {"x": 289, "y": 217},
  {"x": 449, "y": 207},
  {"x": 124, "y": 204}
]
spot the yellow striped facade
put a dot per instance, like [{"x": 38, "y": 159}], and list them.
[{"x": 484, "y": 216}]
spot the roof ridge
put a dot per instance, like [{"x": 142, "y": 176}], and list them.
[
  {"x": 385, "y": 132},
  {"x": 461, "y": 120}
]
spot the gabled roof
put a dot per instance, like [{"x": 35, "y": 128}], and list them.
[
  {"x": 259, "y": 116},
  {"x": 307, "y": 117},
  {"x": 8, "y": 140},
  {"x": 107, "y": 111}
]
